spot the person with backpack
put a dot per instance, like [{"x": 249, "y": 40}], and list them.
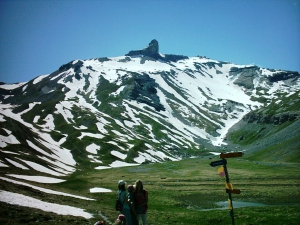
[
  {"x": 130, "y": 197},
  {"x": 141, "y": 202},
  {"x": 125, "y": 207}
]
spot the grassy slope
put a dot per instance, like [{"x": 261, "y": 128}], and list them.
[{"x": 177, "y": 193}]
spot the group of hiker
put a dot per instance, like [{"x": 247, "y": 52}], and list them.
[
  {"x": 135, "y": 203},
  {"x": 132, "y": 202}
]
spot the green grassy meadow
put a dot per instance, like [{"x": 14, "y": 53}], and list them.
[{"x": 179, "y": 193}]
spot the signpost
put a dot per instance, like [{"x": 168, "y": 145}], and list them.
[
  {"x": 233, "y": 191},
  {"x": 229, "y": 186},
  {"x": 218, "y": 163}
]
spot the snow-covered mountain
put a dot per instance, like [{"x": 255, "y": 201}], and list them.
[{"x": 141, "y": 107}]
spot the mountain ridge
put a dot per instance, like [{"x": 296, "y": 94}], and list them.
[{"x": 138, "y": 108}]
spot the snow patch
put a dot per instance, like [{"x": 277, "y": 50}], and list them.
[
  {"x": 92, "y": 148},
  {"x": 16, "y": 164},
  {"x": 45, "y": 190},
  {"x": 19, "y": 199},
  {"x": 39, "y": 78},
  {"x": 99, "y": 190},
  {"x": 39, "y": 179}
]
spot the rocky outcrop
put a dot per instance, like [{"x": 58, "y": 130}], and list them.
[
  {"x": 174, "y": 58},
  {"x": 246, "y": 77},
  {"x": 76, "y": 66},
  {"x": 276, "y": 119},
  {"x": 151, "y": 50},
  {"x": 144, "y": 91},
  {"x": 284, "y": 75}
]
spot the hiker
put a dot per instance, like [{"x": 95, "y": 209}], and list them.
[
  {"x": 141, "y": 201},
  {"x": 123, "y": 197},
  {"x": 120, "y": 220},
  {"x": 130, "y": 196}
]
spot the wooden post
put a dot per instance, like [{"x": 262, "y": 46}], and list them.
[{"x": 229, "y": 192}]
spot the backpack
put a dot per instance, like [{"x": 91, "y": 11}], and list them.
[{"x": 119, "y": 204}]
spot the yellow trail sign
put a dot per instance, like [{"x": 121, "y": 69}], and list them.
[
  {"x": 229, "y": 204},
  {"x": 221, "y": 171},
  {"x": 229, "y": 186}
]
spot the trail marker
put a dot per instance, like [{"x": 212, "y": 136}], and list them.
[
  {"x": 229, "y": 204},
  {"x": 218, "y": 163},
  {"x": 229, "y": 186},
  {"x": 221, "y": 171},
  {"x": 233, "y": 191}
]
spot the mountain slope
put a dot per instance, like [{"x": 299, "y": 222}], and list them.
[
  {"x": 272, "y": 132},
  {"x": 138, "y": 108}
]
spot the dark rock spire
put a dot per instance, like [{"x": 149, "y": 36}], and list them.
[{"x": 151, "y": 50}]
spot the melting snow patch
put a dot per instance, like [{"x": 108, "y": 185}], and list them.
[
  {"x": 17, "y": 164},
  {"x": 99, "y": 190},
  {"x": 45, "y": 189},
  {"x": 9, "y": 152},
  {"x": 81, "y": 127},
  {"x": 94, "y": 159},
  {"x": 38, "y": 79},
  {"x": 161, "y": 155},
  {"x": 118, "y": 163},
  {"x": 83, "y": 134},
  {"x": 41, "y": 168},
  {"x": 31, "y": 105},
  {"x": 24, "y": 87},
  {"x": 101, "y": 128},
  {"x": 93, "y": 148},
  {"x": 118, "y": 154},
  {"x": 39, "y": 179},
  {"x": 2, "y": 118},
  {"x": 62, "y": 154},
  {"x": 36, "y": 119},
  {"x": 102, "y": 167},
  {"x": 19, "y": 199},
  {"x": 11, "y": 86},
  {"x": 3, "y": 164},
  {"x": 11, "y": 139},
  {"x": 63, "y": 109},
  {"x": 49, "y": 125}
]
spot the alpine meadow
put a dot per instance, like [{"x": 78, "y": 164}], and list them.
[{"x": 68, "y": 137}]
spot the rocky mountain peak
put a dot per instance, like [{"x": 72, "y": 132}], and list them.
[{"x": 150, "y": 50}]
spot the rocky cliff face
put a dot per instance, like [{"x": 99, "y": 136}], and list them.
[
  {"x": 144, "y": 91},
  {"x": 246, "y": 76},
  {"x": 151, "y": 50}
]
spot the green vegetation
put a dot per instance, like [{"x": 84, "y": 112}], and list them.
[{"x": 178, "y": 193}]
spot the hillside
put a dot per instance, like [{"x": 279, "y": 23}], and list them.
[{"x": 141, "y": 108}]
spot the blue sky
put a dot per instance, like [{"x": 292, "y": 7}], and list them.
[{"x": 38, "y": 36}]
